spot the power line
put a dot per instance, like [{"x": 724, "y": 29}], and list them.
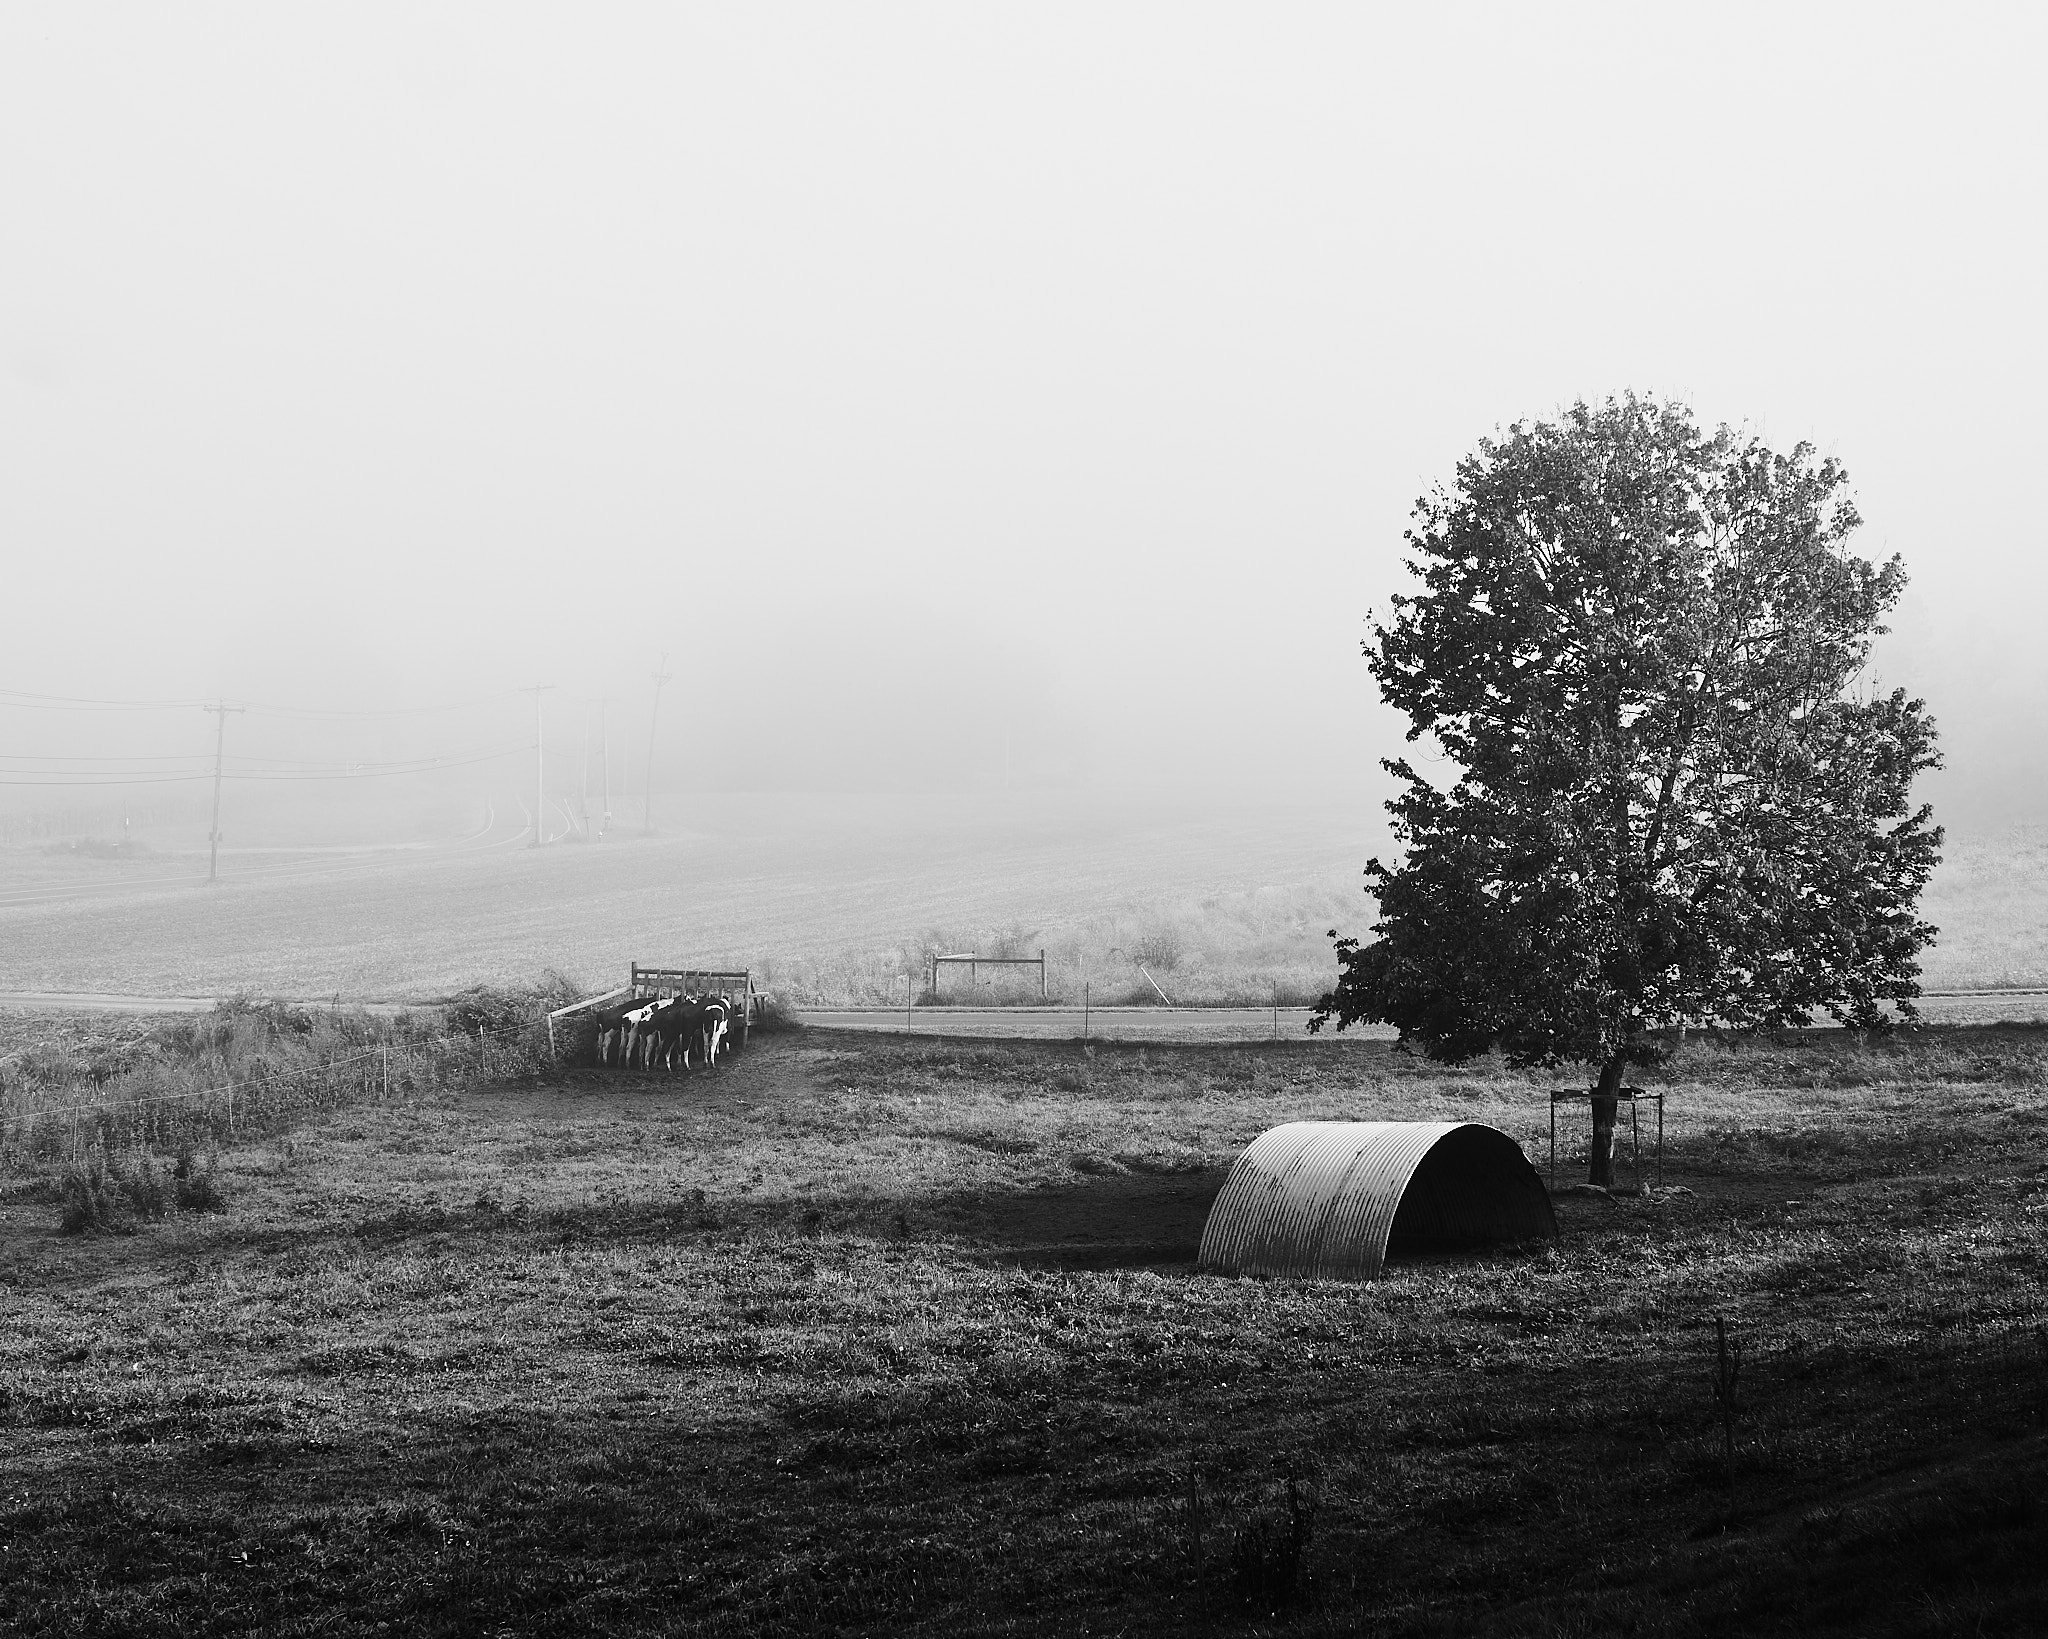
[
  {"x": 116, "y": 777},
  {"x": 28, "y": 701},
  {"x": 66, "y": 702},
  {"x": 386, "y": 711},
  {"x": 233, "y": 757}
]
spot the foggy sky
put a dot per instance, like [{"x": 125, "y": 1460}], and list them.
[{"x": 943, "y": 385}]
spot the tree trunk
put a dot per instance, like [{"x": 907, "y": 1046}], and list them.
[{"x": 1606, "y": 1100}]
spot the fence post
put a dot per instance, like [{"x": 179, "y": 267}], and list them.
[
  {"x": 1041, "y": 973},
  {"x": 1084, "y": 1009}
]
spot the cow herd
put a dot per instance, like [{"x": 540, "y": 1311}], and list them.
[{"x": 667, "y": 1035}]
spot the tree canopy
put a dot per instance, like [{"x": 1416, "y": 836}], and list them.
[{"x": 1640, "y": 646}]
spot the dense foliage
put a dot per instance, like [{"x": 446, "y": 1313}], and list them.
[{"x": 1640, "y": 645}]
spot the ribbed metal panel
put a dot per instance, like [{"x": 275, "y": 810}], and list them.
[{"x": 1322, "y": 1198}]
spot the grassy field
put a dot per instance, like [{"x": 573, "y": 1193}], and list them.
[
  {"x": 833, "y": 899},
  {"x": 891, "y": 1337},
  {"x": 830, "y": 900},
  {"x": 1990, "y": 899}
]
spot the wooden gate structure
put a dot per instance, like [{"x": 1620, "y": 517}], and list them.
[
  {"x": 665, "y": 983},
  {"x": 735, "y": 984}
]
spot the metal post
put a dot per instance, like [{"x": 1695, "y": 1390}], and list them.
[
  {"x": 906, "y": 1003},
  {"x": 1635, "y": 1130},
  {"x": 1276, "y": 1009},
  {"x": 1084, "y": 1009},
  {"x": 1041, "y": 973}
]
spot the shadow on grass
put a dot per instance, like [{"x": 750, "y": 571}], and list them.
[{"x": 1132, "y": 1220}]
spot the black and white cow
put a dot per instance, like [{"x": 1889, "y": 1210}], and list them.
[
  {"x": 671, "y": 1031},
  {"x": 712, "y": 1029},
  {"x": 616, "y": 1028}
]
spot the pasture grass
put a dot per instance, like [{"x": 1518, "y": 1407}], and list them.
[
  {"x": 1989, "y": 898},
  {"x": 888, "y": 1336},
  {"x": 108, "y": 1092},
  {"x": 831, "y": 903}
]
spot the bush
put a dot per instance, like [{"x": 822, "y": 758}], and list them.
[
  {"x": 773, "y": 1014},
  {"x": 193, "y": 1182},
  {"x": 119, "y": 1194},
  {"x": 86, "y": 1198},
  {"x": 104, "y": 1192},
  {"x": 504, "y": 1010}
]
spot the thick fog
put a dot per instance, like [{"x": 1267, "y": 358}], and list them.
[{"x": 952, "y": 396}]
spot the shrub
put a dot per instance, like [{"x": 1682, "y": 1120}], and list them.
[
  {"x": 86, "y": 1199},
  {"x": 144, "y": 1187},
  {"x": 193, "y": 1183},
  {"x": 775, "y": 1014},
  {"x": 504, "y": 1010},
  {"x": 103, "y": 1192}
]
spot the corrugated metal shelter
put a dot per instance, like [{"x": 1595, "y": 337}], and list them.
[{"x": 1326, "y": 1198}]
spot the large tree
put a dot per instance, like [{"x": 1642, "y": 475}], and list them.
[{"x": 1667, "y": 799}]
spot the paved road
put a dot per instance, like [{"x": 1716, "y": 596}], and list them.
[
  {"x": 1258, "y": 1023},
  {"x": 1067, "y": 1023}
]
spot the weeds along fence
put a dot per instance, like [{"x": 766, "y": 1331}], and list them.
[{"x": 241, "y": 1074}]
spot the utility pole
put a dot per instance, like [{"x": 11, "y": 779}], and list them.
[
  {"x": 660, "y": 677},
  {"x": 220, "y": 709},
  {"x": 539, "y": 780}
]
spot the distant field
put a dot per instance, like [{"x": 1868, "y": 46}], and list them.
[
  {"x": 1990, "y": 900},
  {"x": 829, "y": 900}
]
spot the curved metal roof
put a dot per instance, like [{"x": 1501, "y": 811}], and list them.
[{"x": 1324, "y": 1198}]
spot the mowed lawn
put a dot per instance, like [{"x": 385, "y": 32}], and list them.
[{"x": 861, "y": 1335}]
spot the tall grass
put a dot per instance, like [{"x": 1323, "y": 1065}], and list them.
[
  {"x": 249, "y": 1068},
  {"x": 1246, "y": 949}
]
